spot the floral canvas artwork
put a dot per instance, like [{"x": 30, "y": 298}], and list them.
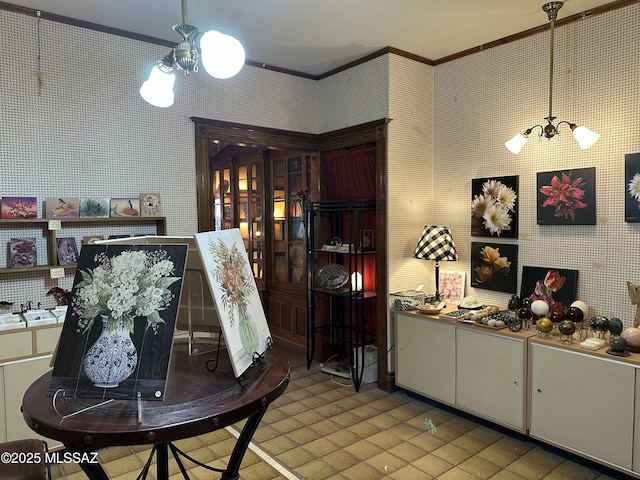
[
  {"x": 117, "y": 336},
  {"x": 235, "y": 294},
  {"x": 452, "y": 286},
  {"x": 632, "y": 187},
  {"x": 19, "y": 207},
  {"x": 549, "y": 284},
  {"x": 494, "y": 266},
  {"x": 66, "y": 207},
  {"x": 567, "y": 197},
  {"x": 494, "y": 207}
]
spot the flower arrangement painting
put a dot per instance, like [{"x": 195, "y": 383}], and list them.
[
  {"x": 494, "y": 266},
  {"x": 452, "y": 286},
  {"x": 567, "y": 197},
  {"x": 494, "y": 207},
  {"x": 235, "y": 294},
  {"x": 549, "y": 284},
  {"x": 632, "y": 187},
  {"x": 117, "y": 336}
]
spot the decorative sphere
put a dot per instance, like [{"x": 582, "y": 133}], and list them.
[
  {"x": 544, "y": 325},
  {"x": 615, "y": 326},
  {"x": 599, "y": 323},
  {"x": 540, "y": 308},
  {"x": 575, "y": 314},
  {"x": 526, "y": 302},
  {"x": 617, "y": 344},
  {"x": 632, "y": 336},
  {"x": 524, "y": 313},
  {"x": 567, "y": 327},
  {"x": 556, "y": 316},
  {"x": 514, "y": 302},
  {"x": 582, "y": 306}
]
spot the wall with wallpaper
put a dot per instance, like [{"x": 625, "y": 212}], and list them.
[{"x": 483, "y": 99}]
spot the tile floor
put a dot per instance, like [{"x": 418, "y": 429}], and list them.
[{"x": 319, "y": 429}]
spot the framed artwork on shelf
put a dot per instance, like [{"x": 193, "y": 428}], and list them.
[
  {"x": 494, "y": 266},
  {"x": 67, "y": 251},
  {"x": 19, "y": 207},
  {"x": 23, "y": 253},
  {"x": 150, "y": 205},
  {"x": 124, "y": 207},
  {"x": 494, "y": 207},
  {"x": 367, "y": 240},
  {"x": 140, "y": 322},
  {"x": 235, "y": 295},
  {"x": 632, "y": 187},
  {"x": 567, "y": 197},
  {"x": 66, "y": 207},
  {"x": 91, "y": 239},
  {"x": 549, "y": 284},
  {"x": 94, "y": 207},
  {"x": 452, "y": 285}
]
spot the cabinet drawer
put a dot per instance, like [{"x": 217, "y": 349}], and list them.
[
  {"x": 15, "y": 345},
  {"x": 47, "y": 339}
]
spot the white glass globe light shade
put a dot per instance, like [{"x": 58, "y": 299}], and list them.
[
  {"x": 222, "y": 55},
  {"x": 158, "y": 89},
  {"x": 516, "y": 143},
  {"x": 585, "y": 137}
]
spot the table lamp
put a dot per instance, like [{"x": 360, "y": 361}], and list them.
[{"x": 436, "y": 243}]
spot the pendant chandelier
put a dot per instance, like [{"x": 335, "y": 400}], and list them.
[
  {"x": 222, "y": 56},
  {"x": 583, "y": 135}
]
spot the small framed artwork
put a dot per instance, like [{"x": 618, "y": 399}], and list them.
[
  {"x": 632, "y": 187},
  {"x": 549, "y": 284},
  {"x": 124, "y": 207},
  {"x": 567, "y": 197},
  {"x": 19, "y": 207},
  {"x": 94, "y": 207},
  {"x": 23, "y": 253},
  {"x": 67, "y": 251},
  {"x": 367, "y": 240},
  {"x": 494, "y": 207},
  {"x": 494, "y": 266},
  {"x": 92, "y": 239},
  {"x": 150, "y": 205},
  {"x": 66, "y": 207},
  {"x": 452, "y": 286}
]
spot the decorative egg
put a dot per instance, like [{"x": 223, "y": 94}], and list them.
[
  {"x": 617, "y": 344},
  {"x": 615, "y": 326},
  {"x": 567, "y": 327},
  {"x": 575, "y": 314},
  {"x": 599, "y": 323},
  {"x": 556, "y": 316},
  {"x": 582, "y": 306},
  {"x": 544, "y": 325},
  {"x": 632, "y": 336},
  {"x": 540, "y": 308},
  {"x": 524, "y": 313}
]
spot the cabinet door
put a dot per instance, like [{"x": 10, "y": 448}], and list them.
[
  {"x": 18, "y": 376},
  {"x": 490, "y": 376},
  {"x": 583, "y": 403},
  {"x": 425, "y": 356}
]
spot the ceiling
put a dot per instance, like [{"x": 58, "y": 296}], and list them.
[{"x": 316, "y": 36}]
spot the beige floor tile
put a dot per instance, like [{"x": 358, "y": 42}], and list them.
[
  {"x": 303, "y": 436},
  {"x": 407, "y": 451},
  {"x": 405, "y": 431},
  {"x": 427, "y": 442},
  {"x": 385, "y": 461},
  {"x": 363, "y": 449},
  {"x": 326, "y": 427},
  {"x": 296, "y": 457},
  {"x": 341, "y": 460},
  {"x": 321, "y": 447},
  {"x": 451, "y": 454},
  {"x": 479, "y": 467},
  {"x": 569, "y": 470},
  {"x": 278, "y": 445},
  {"x": 498, "y": 455},
  {"x": 469, "y": 443},
  {"x": 432, "y": 465},
  {"x": 364, "y": 429},
  {"x": 384, "y": 440},
  {"x": 316, "y": 470},
  {"x": 457, "y": 473},
  {"x": 363, "y": 471},
  {"x": 409, "y": 472},
  {"x": 343, "y": 438}
]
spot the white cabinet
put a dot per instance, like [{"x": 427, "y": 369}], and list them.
[
  {"x": 490, "y": 375},
  {"x": 583, "y": 403},
  {"x": 425, "y": 356},
  {"x": 17, "y": 377}
]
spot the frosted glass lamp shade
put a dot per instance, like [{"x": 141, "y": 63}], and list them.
[
  {"x": 222, "y": 55},
  {"x": 158, "y": 89},
  {"x": 585, "y": 137},
  {"x": 516, "y": 143}
]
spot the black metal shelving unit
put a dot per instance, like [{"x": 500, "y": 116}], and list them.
[{"x": 336, "y": 235}]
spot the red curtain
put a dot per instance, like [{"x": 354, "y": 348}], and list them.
[{"x": 350, "y": 173}]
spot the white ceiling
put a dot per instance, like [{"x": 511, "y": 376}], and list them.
[{"x": 316, "y": 36}]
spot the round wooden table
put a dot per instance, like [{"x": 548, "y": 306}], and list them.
[{"x": 197, "y": 401}]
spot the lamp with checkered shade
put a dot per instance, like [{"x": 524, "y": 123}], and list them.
[{"x": 436, "y": 243}]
